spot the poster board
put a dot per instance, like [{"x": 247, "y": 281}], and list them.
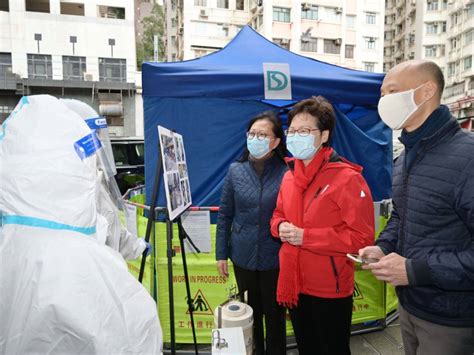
[{"x": 175, "y": 172}]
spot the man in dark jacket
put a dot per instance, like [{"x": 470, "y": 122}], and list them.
[{"x": 427, "y": 248}]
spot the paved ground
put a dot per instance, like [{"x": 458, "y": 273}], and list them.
[{"x": 382, "y": 342}]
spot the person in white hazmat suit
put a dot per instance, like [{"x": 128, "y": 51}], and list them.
[
  {"x": 109, "y": 202},
  {"x": 61, "y": 291}
]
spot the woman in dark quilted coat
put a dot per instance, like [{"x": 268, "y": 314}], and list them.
[{"x": 243, "y": 228}]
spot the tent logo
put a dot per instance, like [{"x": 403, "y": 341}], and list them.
[
  {"x": 201, "y": 305},
  {"x": 276, "y": 80}
]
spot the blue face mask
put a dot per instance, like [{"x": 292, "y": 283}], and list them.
[
  {"x": 258, "y": 148},
  {"x": 301, "y": 148}
]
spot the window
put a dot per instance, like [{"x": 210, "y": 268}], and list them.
[
  {"x": 282, "y": 42},
  {"x": 370, "y": 18},
  {"x": 72, "y": 8},
  {"x": 309, "y": 45},
  {"x": 468, "y": 63},
  {"x": 330, "y": 14},
  {"x": 281, "y": 14},
  {"x": 443, "y": 27},
  {"x": 349, "y": 51},
  {"x": 431, "y": 28},
  {"x": 112, "y": 69},
  {"x": 260, "y": 20},
  {"x": 369, "y": 42},
  {"x": 173, "y": 22},
  {"x": 4, "y": 5},
  {"x": 369, "y": 66},
  {"x": 173, "y": 41},
  {"x": 351, "y": 21},
  {"x": 469, "y": 10},
  {"x": 5, "y": 111},
  {"x": 5, "y": 65},
  {"x": 442, "y": 50},
  {"x": 444, "y": 4},
  {"x": 430, "y": 51},
  {"x": 173, "y": 57},
  {"x": 37, "y": 5},
  {"x": 454, "y": 90},
  {"x": 468, "y": 37},
  {"x": 223, "y": 4},
  {"x": 239, "y": 5},
  {"x": 432, "y": 5},
  {"x": 200, "y": 3},
  {"x": 454, "y": 43},
  {"x": 455, "y": 18},
  {"x": 331, "y": 46},
  {"x": 111, "y": 12},
  {"x": 311, "y": 14},
  {"x": 39, "y": 66},
  {"x": 74, "y": 68},
  {"x": 451, "y": 69}
]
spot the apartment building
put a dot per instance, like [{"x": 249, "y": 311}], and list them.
[
  {"x": 343, "y": 32},
  {"x": 83, "y": 49},
  {"x": 437, "y": 30}
]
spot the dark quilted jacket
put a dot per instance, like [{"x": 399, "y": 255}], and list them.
[
  {"x": 243, "y": 223},
  {"x": 432, "y": 225}
]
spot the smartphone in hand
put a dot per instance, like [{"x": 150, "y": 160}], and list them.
[{"x": 356, "y": 258}]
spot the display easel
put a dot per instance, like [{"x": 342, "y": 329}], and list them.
[{"x": 170, "y": 254}]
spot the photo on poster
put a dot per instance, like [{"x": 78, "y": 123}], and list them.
[
  {"x": 175, "y": 193},
  {"x": 183, "y": 171},
  {"x": 176, "y": 179},
  {"x": 169, "y": 152}
]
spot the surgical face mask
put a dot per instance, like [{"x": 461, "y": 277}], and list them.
[
  {"x": 396, "y": 109},
  {"x": 258, "y": 148},
  {"x": 302, "y": 147}
]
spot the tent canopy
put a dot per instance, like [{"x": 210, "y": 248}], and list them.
[{"x": 210, "y": 101}]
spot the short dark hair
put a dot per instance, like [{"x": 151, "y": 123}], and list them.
[
  {"x": 278, "y": 132},
  {"x": 322, "y": 111},
  {"x": 436, "y": 73}
]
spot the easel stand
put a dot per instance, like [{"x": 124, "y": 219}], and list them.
[{"x": 170, "y": 254}]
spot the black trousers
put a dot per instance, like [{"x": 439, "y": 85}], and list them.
[
  {"x": 261, "y": 287},
  {"x": 322, "y": 325}
]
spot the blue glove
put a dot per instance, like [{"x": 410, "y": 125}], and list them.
[{"x": 148, "y": 249}]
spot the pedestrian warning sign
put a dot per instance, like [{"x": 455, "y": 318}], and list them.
[{"x": 201, "y": 305}]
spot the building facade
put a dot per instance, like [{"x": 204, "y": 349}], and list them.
[
  {"x": 440, "y": 31},
  {"x": 82, "y": 49},
  {"x": 343, "y": 32}
]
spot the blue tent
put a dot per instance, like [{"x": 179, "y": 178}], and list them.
[{"x": 210, "y": 101}]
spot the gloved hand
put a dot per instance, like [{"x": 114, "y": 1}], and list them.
[{"x": 148, "y": 249}]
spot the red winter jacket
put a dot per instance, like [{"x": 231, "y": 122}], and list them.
[{"x": 338, "y": 219}]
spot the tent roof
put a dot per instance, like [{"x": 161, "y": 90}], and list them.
[{"x": 236, "y": 72}]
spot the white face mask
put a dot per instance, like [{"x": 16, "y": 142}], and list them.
[{"x": 396, "y": 109}]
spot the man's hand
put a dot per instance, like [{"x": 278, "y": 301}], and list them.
[
  {"x": 391, "y": 269},
  {"x": 222, "y": 268},
  {"x": 372, "y": 252},
  {"x": 290, "y": 233}
]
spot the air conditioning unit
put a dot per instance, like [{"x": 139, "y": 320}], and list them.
[
  {"x": 285, "y": 41},
  {"x": 338, "y": 41},
  {"x": 305, "y": 6},
  {"x": 204, "y": 13},
  {"x": 338, "y": 10},
  {"x": 225, "y": 26},
  {"x": 305, "y": 39},
  {"x": 88, "y": 77},
  {"x": 260, "y": 11}
]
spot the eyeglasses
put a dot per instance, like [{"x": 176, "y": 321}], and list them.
[
  {"x": 260, "y": 136},
  {"x": 302, "y": 132}
]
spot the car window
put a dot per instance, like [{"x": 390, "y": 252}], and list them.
[
  {"x": 140, "y": 152},
  {"x": 120, "y": 154}
]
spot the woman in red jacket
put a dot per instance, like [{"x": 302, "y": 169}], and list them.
[{"x": 324, "y": 211}]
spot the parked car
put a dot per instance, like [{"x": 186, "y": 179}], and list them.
[{"x": 129, "y": 155}]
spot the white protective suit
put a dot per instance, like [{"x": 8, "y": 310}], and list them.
[
  {"x": 117, "y": 236},
  {"x": 61, "y": 292}
]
